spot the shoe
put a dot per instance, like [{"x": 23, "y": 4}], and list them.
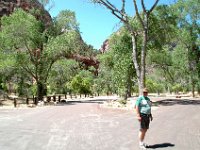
[
  {"x": 146, "y": 145},
  {"x": 142, "y": 146}
]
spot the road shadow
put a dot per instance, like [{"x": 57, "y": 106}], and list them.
[
  {"x": 170, "y": 102},
  {"x": 162, "y": 145},
  {"x": 74, "y": 102}
]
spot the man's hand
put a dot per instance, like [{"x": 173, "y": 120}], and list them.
[{"x": 139, "y": 118}]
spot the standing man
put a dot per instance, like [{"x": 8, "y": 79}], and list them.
[{"x": 143, "y": 111}]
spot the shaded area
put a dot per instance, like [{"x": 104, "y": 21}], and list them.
[
  {"x": 170, "y": 102},
  {"x": 162, "y": 145},
  {"x": 73, "y": 102}
]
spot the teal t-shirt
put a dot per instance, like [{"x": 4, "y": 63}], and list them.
[{"x": 144, "y": 105}]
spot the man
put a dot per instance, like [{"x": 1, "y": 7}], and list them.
[{"x": 143, "y": 111}]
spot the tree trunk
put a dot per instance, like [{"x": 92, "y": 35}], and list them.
[
  {"x": 41, "y": 91},
  {"x": 193, "y": 87},
  {"x": 129, "y": 89},
  {"x": 140, "y": 76},
  {"x": 198, "y": 89},
  {"x": 129, "y": 85},
  {"x": 191, "y": 69},
  {"x": 143, "y": 60}
]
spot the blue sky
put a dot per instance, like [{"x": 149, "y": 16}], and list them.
[{"x": 96, "y": 22}]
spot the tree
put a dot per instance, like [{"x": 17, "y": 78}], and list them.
[
  {"x": 135, "y": 32},
  {"x": 35, "y": 49},
  {"x": 104, "y": 82},
  {"x": 123, "y": 71},
  {"x": 61, "y": 74},
  {"x": 188, "y": 24},
  {"x": 23, "y": 43},
  {"x": 82, "y": 83}
]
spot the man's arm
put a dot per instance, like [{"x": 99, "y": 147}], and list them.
[
  {"x": 151, "y": 116},
  {"x": 138, "y": 112}
]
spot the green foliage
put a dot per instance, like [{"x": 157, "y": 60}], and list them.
[
  {"x": 82, "y": 82},
  {"x": 7, "y": 60},
  {"x": 154, "y": 86},
  {"x": 162, "y": 24},
  {"x": 61, "y": 74},
  {"x": 34, "y": 89},
  {"x": 66, "y": 20},
  {"x": 63, "y": 23},
  {"x": 116, "y": 64},
  {"x": 104, "y": 82},
  {"x": 35, "y": 49},
  {"x": 176, "y": 62},
  {"x": 177, "y": 88},
  {"x": 188, "y": 24},
  {"x": 16, "y": 36},
  {"x": 61, "y": 46},
  {"x": 122, "y": 101}
]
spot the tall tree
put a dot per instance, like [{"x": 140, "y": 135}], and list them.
[{"x": 135, "y": 32}]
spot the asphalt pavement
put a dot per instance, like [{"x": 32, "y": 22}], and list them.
[{"x": 87, "y": 126}]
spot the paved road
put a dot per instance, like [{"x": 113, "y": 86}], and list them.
[{"x": 86, "y": 126}]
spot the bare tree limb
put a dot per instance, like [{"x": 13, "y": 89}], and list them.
[
  {"x": 138, "y": 15},
  {"x": 116, "y": 12},
  {"x": 123, "y": 6},
  {"x": 121, "y": 15},
  {"x": 143, "y": 7},
  {"x": 156, "y": 2}
]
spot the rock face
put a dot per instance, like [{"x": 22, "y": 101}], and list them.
[
  {"x": 105, "y": 46},
  {"x": 8, "y": 6}
]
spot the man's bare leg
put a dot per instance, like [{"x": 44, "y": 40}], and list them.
[{"x": 142, "y": 133}]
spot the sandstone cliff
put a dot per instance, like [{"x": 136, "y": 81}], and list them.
[{"x": 8, "y": 6}]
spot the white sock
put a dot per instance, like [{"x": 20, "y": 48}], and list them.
[{"x": 141, "y": 143}]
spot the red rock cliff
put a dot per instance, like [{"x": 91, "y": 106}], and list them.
[{"x": 8, "y": 6}]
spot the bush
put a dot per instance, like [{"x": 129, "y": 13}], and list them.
[{"x": 123, "y": 102}]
